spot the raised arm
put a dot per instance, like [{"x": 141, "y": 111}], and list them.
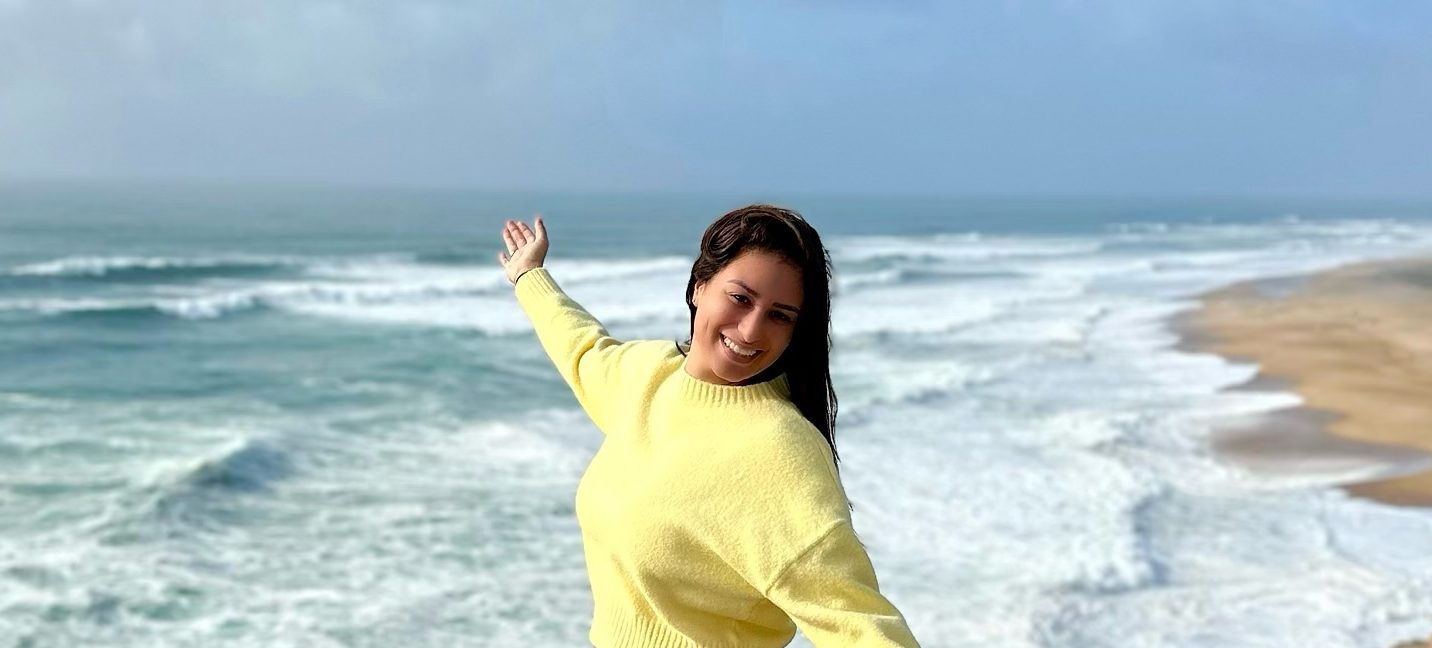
[{"x": 587, "y": 357}]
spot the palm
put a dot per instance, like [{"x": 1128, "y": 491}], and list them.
[{"x": 526, "y": 247}]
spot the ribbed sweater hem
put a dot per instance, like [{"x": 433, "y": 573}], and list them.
[{"x": 622, "y": 629}]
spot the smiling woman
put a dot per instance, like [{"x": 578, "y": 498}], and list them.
[
  {"x": 782, "y": 255},
  {"x": 739, "y": 330},
  {"x": 713, "y": 513}
]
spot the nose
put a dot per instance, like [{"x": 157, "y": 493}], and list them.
[{"x": 750, "y": 328}]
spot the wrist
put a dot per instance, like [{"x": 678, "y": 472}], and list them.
[{"x": 523, "y": 272}]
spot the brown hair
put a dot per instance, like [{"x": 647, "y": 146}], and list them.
[{"x": 806, "y": 362}]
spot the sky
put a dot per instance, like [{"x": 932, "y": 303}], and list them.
[{"x": 1210, "y": 97}]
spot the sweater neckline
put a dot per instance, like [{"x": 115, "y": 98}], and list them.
[{"x": 695, "y": 389}]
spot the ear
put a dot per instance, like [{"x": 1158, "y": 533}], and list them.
[{"x": 696, "y": 292}]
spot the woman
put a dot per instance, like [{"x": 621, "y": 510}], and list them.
[{"x": 713, "y": 514}]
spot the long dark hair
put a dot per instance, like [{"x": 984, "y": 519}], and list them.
[{"x": 806, "y": 362}]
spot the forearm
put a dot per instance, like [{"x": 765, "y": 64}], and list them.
[{"x": 577, "y": 343}]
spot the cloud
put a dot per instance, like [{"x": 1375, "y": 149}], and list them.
[
  {"x": 1019, "y": 96},
  {"x": 136, "y": 82}
]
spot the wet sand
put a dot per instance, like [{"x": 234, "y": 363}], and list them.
[{"x": 1356, "y": 344}]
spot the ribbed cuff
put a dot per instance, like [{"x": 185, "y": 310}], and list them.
[{"x": 537, "y": 282}]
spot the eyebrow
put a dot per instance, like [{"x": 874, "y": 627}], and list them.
[{"x": 757, "y": 295}]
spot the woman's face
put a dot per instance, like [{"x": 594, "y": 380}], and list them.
[{"x": 751, "y": 304}]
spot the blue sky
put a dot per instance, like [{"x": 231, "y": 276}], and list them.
[{"x": 1100, "y": 97}]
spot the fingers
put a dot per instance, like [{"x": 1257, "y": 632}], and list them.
[
  {"x": 502, "y": 258},
  {"x": 517, "y": 234},
  {"x": 509, "y": 238}
]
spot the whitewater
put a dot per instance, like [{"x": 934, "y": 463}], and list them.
[{"x": 277, "y": 436}]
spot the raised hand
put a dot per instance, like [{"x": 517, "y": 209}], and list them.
[{"x": 526, "y": 249}]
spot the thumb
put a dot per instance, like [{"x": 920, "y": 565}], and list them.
[{"x": 541, "y": 227}]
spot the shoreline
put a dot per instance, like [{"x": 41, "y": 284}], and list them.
[{"x": 1348, "y": 341}]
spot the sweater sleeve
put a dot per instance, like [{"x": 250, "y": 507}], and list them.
[
  {"x": 779, "y": 516},
  {"x": 586, "y": 356},
  {"x": 831, "y": 594}
]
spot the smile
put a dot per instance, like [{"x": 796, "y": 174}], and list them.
[{"x": 742, "y": 353}]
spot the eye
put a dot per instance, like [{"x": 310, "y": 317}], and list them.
[
  {"x": 781, "y": 315},
  {"x": 740, "y": 299}
]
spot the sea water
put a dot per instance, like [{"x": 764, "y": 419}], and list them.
[{"x": 283, "y": 416}]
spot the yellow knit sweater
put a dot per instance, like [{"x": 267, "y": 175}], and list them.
[{"x": 712, "y": 515}]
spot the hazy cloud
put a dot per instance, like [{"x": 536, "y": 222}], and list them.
[{"x": 1019, "y": 96}]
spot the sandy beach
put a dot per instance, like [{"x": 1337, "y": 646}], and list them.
[{"x": 1356, "y": 344}]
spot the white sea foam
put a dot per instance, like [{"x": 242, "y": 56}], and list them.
[
  {"x": 102, "y": 265},
  {"x": 21, "y": 399},
  {"x": 1027, "y": 451},
  {"x": 1073, "y": 485},
  {"x": 463, "y": 532},
  {"x": 389, "y": 289},
  {"x": 62, "y": 305},
  {"x": 957, "y": 247}
]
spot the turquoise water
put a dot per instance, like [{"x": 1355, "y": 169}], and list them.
[{"x": 260, "y": 416}]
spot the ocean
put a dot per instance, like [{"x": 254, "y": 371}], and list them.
[{"x": 315, "y": 416}]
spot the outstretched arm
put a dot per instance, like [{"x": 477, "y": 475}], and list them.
[{"x": 587, "y": 357}]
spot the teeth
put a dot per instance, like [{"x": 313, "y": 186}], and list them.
[{"x": 738, "y": 349}]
